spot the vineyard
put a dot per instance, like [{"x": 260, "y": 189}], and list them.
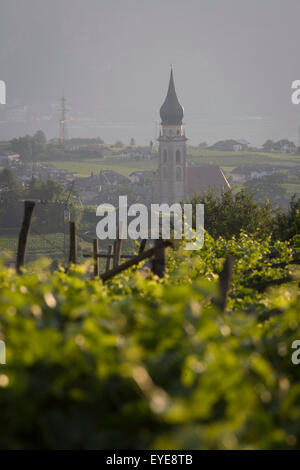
[{"x": 147, "y": 363}]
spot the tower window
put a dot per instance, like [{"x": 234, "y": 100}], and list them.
[
  {"x": 178, "y": 174},
  {"x": 178, "y": 159},
  {"x": 164, "y": 173},
  {"x": 165, "y": 156}
]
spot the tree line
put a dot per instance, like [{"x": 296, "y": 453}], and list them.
[{"x": 231, "y": 213}]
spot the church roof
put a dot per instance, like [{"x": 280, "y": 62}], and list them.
[
  {"x": 204, "y": 178},
  {"x": 112, "y": 177},
  {"x": 171, "y": 112}
]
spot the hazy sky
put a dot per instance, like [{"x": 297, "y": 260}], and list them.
[{"x": 234, "y": 62}]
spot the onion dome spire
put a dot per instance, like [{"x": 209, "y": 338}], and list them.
[{"x": 171, "y": 112}]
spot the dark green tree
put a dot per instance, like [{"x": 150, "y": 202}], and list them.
[
  {"x": 269, "y": 187},
  {"x": 23, "y": 146},
  {"x": 30, "y": 148},
  {"x": 40, "y": 137},
  {"x": 268, "y": 146},
  {"x": 226, "y": 216},
  {"x": 287, "y": 224},
  {"x": 118, "y": 144}
]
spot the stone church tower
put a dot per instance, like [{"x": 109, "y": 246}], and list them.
[{"x": 172, "y": 149}]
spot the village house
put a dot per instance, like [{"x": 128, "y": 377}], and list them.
[
  {"x": 112, "y": 178},
  {"x": 285, "y": 146},
  {"x": 6, "y": 159},
  {"x": 141, "y": 177},
  {"x": 138, "y": 154},
  {"x": 230, "y": 145},
  {"x": 245, "y": 173}
]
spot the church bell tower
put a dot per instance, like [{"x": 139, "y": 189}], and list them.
[{"x": 172, "y": 149}]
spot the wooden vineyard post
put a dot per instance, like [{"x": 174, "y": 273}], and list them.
[
  {"x": 114, "y": 253},
  {"x": 117, "y": 248},
  {"x": 225, "y": 280},
  {"x": 109, "y": 252},
  {"x": 28, "y": 210},
  {"x": 117, "y": 252},
  {"x": 142, "y": 246},
  {"x": 159, "y": 259},
  {"x": 72, "y": 254},
  {"x": 95, "y": 257},
  {"x": 133, "y": 261}
]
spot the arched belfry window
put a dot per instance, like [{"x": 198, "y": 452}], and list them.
[
  {"x": 178, "y": 157},
  {"x": 178, "y": 174},
  {"x": 165, "y": 156}
]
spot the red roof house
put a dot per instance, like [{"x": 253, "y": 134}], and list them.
[{"x": 200, "y": 179}]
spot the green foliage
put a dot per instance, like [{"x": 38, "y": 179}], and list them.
[
  {"x": 141, "y": 363},
  {"x": 47, "y": 189},
  {"x": 47, "y": 216},
  {"x": 40, "y": 137},
  {"x": 231, "y": 213},
  {"x": 7, "y": 180},
  {"x": 30, "y": 148},
  {"x": 269, "y": 187},
  {"x": 10, "y": 192},
  {"x": 119, "y": 144},
  {"x": 287, "y": 225}
]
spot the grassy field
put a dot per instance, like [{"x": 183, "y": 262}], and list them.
[
  {"x": 84, "y": 168},
  {"x": 264, "y": 156},
  {"x": 226, "y": 160},
  {"x": 51, "y": 244},
  {"x": 292, "y": 188},
  {"x": 234, "y": 159}
]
